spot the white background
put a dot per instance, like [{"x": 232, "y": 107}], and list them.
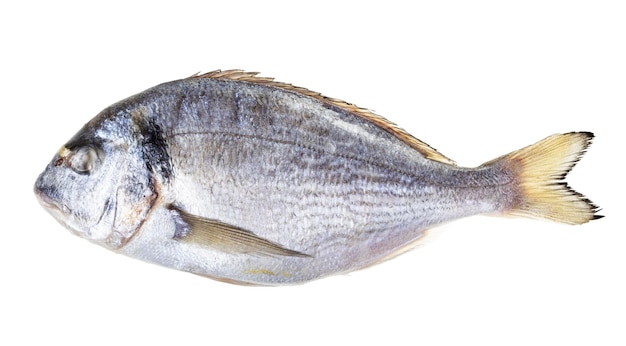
[{"x": 475, "y": 79}]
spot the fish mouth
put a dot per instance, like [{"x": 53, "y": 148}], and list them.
[
  {"x": 49, "y": 203},
  {"x": 44, "y": 199},
  {"x": 59, "y": 212}
]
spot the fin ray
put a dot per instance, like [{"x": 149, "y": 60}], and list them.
[
  {"x": 226, "y": 237},
  {"x": 540, "y": 169}
]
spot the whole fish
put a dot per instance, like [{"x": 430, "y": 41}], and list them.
[{"x": 247, "y": 180}]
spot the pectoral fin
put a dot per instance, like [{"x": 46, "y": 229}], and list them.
[{"x": 226, "y": 237}]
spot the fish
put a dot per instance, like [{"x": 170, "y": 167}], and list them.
[{"x": 247, "y": 180}]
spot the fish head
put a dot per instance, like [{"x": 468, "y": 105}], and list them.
[{"x": 97, "y": 185}]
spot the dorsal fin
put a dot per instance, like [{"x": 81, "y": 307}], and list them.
[{"x": 239, "y": 75}]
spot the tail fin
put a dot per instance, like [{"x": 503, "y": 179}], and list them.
[{"x": 540, "y": 169}]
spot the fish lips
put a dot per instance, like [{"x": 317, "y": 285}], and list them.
[
  {"x": 59, "y": 211},
  {"x": 44, "y": 194}
]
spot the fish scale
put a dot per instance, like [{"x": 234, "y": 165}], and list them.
[
  {"x": 318, "y": 221},
  {"x": 247, "y": 180}
]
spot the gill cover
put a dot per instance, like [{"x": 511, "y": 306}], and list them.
[
  {"x": 129, "y": 154},
  {"x": 149, "y": 165}
]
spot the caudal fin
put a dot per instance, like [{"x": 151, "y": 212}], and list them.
[{"x": 540, "y": 169}]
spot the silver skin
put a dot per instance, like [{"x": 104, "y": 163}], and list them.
[{"x": 292, "y": 169}]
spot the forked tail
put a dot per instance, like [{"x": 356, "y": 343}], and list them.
[{"x": 540, "y": 169}]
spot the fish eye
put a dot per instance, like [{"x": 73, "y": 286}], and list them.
[{"x": 84, "y": 160}]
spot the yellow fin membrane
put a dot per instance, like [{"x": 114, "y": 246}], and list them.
[{"x": 540, "y": 169}]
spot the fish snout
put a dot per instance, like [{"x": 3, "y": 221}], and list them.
[
  {"x": 59, "y": 211},
  {"x": 45, "y": 198}
]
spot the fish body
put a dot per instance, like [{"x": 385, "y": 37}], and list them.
[{"x": 247, "y": 180}]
